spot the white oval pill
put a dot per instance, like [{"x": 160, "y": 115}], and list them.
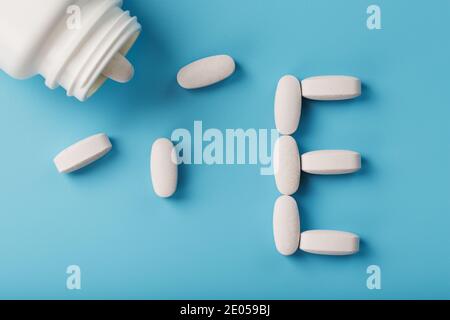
[
  {"x": 286, "y": 164},
  {"x": 206, "y": 71},
  {"x": 82, "y": 153},
  {"x": 331, "y": 88},
  {"x": 164, "y": 168},
  {"x": 331, "y": 162},
  {"x": 119, "y": 69},
  {"x": 329, "y": 242},
  {"x": 288, "y": 104},
  {"x": 286, "y": 225}
]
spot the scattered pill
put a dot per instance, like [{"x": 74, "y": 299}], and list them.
[
  {"x": 206, "y": 72},
  {"x": 119, "y": 69},
  {"x": 331, "y": 88},
  {"x": 286, "y": 164},
  {"x": 286, "y": 225},
  {"x": 82, "y": 153},
  {"x": 329, "y": 242},
  {"x": 288, "y": 104},
  {"x": 164, "y": 168},
  {"x": 331, "y": 162}
]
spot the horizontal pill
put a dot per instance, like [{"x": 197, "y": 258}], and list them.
[
  {"x": 288, "y": 105},
  {"x": 329, "y": 242},
  {"x": 286, "y": 165},
  {"x": 164, "y": 168},
  {"x": 82, "y": 153},
  {"x": 286, "y": 225},
  {"x": 331, "y": 162},
  {"x": 331, "y": 88},
  {"x": 206, "y": 71}
]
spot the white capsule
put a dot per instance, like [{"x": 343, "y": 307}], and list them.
[
  {"x": 331, "y": 88},
  {"x": 331, "y": 162},
  {"x": 329, "y": 242},
  {"x": 286, "y": 165},
  {"x": 82, "y": 153},
  {"x": 286, "y": 225},
  {"x": 164, "y": 168},
  {"x": 206, "y": 72},
  {"x": 119, "y": 69},
  {"x": 288, "y": 104}
]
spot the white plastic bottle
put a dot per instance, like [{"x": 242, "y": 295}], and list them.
[{"x": 76, "y": 44}]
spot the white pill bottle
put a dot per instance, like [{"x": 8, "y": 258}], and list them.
[{"x": 76, "y": 44}]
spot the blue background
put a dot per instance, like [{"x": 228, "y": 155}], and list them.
[{"x": 214, "y": 238}]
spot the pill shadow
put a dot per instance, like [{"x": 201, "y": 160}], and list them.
[
  {"x": 100, "y": 164},
  {"x": 310, "y": 184},
  {"x": 367, "y": 169},
  {"x": 301, "y": 257},
  {"x": 310, "y": 108},
  {"x": 152, "y": 61},
  {"x": 306, "y": 222},
  {"x": 307, "y": 185},
  {"x": 306, "y": 125},
  {"x": 152, "y": 85},
  {"x": 183, "y": 184},
  {"x": 366, "y": 94},
  {"x": 157, "y": 85}
]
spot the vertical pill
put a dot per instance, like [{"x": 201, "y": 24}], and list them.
[
  {"x": 288, "y": 104},
  {"x": 164, "y": 168},
  {"x": 286, "y": 225},
  {"x": 286, "y": 164}
]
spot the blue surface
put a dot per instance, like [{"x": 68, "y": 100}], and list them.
[{"x": 214, "y": 239}]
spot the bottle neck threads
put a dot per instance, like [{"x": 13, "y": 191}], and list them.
[{"x": 74, "y": 58}]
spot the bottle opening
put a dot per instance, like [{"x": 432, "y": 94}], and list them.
[
  {"x": 114, "y": 66},
  {"x": 82, "y": 60}
]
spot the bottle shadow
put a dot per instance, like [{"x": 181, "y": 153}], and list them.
[
  {"x": 154, "y": 86},
  {"x": 310, "y": 108}
]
